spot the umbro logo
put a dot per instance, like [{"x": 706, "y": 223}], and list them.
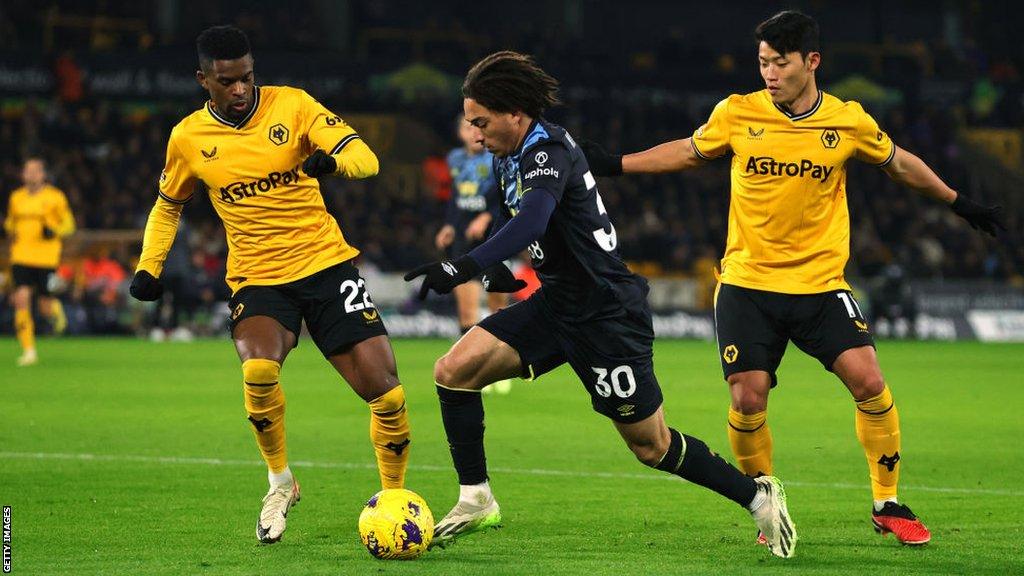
[
  {"x": 449, "y": 268},
  {"x": 755, "y": 133},
  {"x": 209, "y": 155}
]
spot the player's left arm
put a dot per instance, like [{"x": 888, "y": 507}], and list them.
[
  {"x": 875, "y": 146},
  {"x": 339, "y": 149},
  {"x": 545, "y": 172},
  {"x": 65, "y": 223}
]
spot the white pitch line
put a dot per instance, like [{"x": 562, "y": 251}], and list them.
[{"x": 85, "y": 457}]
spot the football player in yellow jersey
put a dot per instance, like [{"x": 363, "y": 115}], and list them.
[
  {"x": 38, "y": 218},
  {"x": 788, "y": 243},
  {"x": 259, "y": 151}
]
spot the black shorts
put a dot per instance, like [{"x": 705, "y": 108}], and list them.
[
  {"x": 754, "y": 326},
  {"x": 36, "y": 278},
  {"x": 612, "y": 356},
  {"x": 333, "y": 302}
]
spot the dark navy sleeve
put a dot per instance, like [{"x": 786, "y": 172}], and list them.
[
  {"x": 525, "y": 227},
  {"x": 546, "y": 166}
]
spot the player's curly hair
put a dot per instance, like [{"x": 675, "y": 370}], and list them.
[
  {"x": 221, "y": 43},
  {"x": 789, "y": 31},
  {"x": 511, "y": 82}
]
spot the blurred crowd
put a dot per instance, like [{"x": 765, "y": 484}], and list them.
[{"x": 106, "y": 155}]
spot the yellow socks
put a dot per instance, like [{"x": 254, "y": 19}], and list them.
[
  {"x": 59, "y": 319},
  {"x": 751, "y": 441},
  {"x": 878, "y": 429},
  {"x": 25, "y": 329},
  {"x": 389, "y": 432},
  {"x": 264, "y": 401}
]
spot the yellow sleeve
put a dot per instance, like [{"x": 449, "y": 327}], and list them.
[
  {"x": 327, "y": 131},
  {"x": 712, "y": 139},
  {"x": 161, "y": 227},
  {"x": 65, "y": 225},
  {"x": 176, "y": 180},
  {"x": 873, "y": 145}
]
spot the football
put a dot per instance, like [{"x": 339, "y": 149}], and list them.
[{"x": 396, "y": 524}]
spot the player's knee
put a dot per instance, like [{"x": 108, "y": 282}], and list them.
[
  {"x": 21, "y": 297},
  {"x": 748, "y": 395},
  {"x": 451, "y": 372},
  {"x": 867, "y": 386}
]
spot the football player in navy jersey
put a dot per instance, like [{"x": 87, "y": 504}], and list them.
[
  {"x": 590, "y": 311},
  {"x": 468, "y": 218}
]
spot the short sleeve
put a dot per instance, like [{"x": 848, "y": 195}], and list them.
[
  {"x": 712, "y": 139},
  {"x": 176, "y": 180},
  {"x": 873, "y": 145},
  {"x": 546, "y": 166}
]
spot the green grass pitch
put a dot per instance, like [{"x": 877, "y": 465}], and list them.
[{"x": 126, "y": 457}]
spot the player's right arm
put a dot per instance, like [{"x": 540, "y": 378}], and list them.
[
  {"x": 673, "y": 156},
  {"x": 176, "y": 185},
  {"x": 707, "y": 143}
]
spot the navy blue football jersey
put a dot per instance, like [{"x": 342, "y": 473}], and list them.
[
  {"x": 577, "y": 261},
  {"x": 474, "y": 189}
]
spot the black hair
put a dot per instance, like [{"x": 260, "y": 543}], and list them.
[
  {"x": 511, "y": 82},
  {"x": 789, "y": 31},
  {"x": 221, "y": 43},
  {"x": 35, "y": 156}
]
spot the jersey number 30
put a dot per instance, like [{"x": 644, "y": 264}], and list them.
[{"x": 623, "y": 383}]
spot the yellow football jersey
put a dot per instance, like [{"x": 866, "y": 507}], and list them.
[
  {"x": 27, "y": 214},
  {"x": 789, "y": 225},
  {"x": 278, "y": 228}
]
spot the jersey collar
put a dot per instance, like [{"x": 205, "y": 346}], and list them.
[
  {"x": 817, "y": 104},
  {"x": 236, "y": 125}
]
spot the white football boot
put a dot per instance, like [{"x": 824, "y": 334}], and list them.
[
  {"x": 773, "y": 519},
  {"x": 274, "y": 515},
  {"x": 466, "y": 518}
]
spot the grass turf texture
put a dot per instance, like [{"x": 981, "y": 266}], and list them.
[{"x": 574, "y": 499}]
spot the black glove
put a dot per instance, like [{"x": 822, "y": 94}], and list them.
[
  {"x": 48, "y": 233},
  {"x": 499, "y": 278},
  {"x": 319, "y": 163},
  {"x": 444, "y": 275},
  {"x": 146, "y": 287},
  {"x": 985, "y": 218},
  {"x": 601, "y": 163}
]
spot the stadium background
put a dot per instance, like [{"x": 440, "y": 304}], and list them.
[
  {"x": 96, "y": 87},
  {"x": 123, "y": 456}
]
